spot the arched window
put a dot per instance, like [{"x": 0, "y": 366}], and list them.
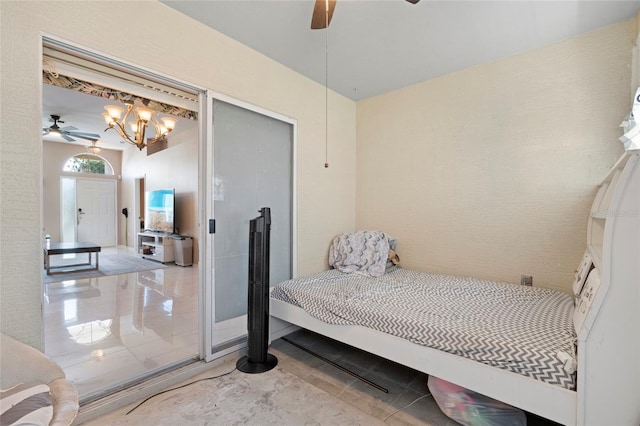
[{"x": 88, "y": 163}]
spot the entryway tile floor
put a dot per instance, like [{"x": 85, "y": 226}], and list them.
[{"x": 106, "y": 331}]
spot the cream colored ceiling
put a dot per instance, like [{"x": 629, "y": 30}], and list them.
[{"x": 380, "y": 45}]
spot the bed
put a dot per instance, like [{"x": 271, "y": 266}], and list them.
[
  {"x": 517, "y": 345},
  {"x": 525, "y": 330}
]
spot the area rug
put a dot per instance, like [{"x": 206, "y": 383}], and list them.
[
  {"x": 110, "y": 264},
  {"x": 276, "y": 397}
]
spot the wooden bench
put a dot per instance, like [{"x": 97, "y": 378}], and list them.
[{"x": 70, "y": 248}]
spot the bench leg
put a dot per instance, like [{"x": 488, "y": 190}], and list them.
[
  {"x": 47, "y": 263},
  {"x": 97, "y": 260}
]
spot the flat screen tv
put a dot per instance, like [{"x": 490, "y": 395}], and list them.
[{"x": 159, "y": 209}]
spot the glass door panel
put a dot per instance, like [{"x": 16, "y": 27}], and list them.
[{"x": 252, "y": 159}]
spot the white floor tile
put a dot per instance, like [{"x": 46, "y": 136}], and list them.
[{"x": 107, "y": 330}]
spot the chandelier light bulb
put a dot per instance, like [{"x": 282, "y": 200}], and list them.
[
  {"x": 144, "y": 114},
  {"x": 114, "y": 111},
  {"x": 169, "y": 123},
  {"x": 108, "y": 119}
]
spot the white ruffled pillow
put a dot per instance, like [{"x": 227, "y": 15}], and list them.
[{"x": 363, "y": 252}]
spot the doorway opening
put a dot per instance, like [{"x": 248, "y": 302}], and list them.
[{"x": 133, "y": 318}]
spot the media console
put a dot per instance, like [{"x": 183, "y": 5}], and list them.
[{"x": 156, "y": 246}]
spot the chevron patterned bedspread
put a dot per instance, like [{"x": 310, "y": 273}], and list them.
[{"x": 512, "y": 327}]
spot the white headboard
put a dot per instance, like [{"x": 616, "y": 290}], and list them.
[{"x": 609, "y": 324}]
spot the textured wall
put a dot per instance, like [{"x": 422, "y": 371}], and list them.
[
  {"x": 491, "y": 171},
  {"x": 197, "y": 55}
]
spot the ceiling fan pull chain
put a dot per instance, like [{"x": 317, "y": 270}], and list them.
[{"x": 326, "y": 86}]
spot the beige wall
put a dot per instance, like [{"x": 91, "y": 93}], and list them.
[
  {"x": 174, "y": 167},
  {"x": 55, "y": 156},
  {"x": 491, "y": 171},
  {"x": 635, "y": 58},
  {"x": 167, "y": 42}
]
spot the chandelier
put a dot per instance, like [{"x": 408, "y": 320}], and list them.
[{"x": 142, "y": 116}]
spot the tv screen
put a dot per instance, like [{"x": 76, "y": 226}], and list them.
[{"x": 159, "y": 207}]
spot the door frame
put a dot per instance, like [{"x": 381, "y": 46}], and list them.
[
  {"x": 204, "y": 287},
  {"x": 139, "y": 188},
  {"x": 208, "y": 158}
]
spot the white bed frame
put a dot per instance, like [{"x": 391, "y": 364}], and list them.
[{"x": 608, "y": 391}]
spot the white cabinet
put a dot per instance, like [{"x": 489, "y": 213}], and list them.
[{"x": 155, "y": 246}]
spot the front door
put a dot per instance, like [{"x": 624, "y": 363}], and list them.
[
  {"x": 96, "y": 208},
  {"x": 90, "y": 206}
]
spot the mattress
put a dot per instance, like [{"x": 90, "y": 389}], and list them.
[{"x": 525, "y": 330}]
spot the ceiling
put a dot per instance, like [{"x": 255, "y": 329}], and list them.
[
  {"x": 84, "y": 112},
  {"x": 374, "y": 46},
  {"x": 78, "y": 110}
]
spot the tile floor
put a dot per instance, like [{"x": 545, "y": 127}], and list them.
[
  {"x": 105, "y": 331},
  {"x": 301, "y": 389},
  {"x": 226, "y": 396},
  {"x": 408, "y": 401}
]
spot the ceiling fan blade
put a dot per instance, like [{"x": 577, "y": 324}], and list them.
[
  {"x": 67, "y": 137},
  {"x": 87, "y": 138},
  {"x": 413, "y": 1},
  {"x": 84, "y": 135},
  {"x": 319, "y": 19},
  {"x": 68, "y": 128}
]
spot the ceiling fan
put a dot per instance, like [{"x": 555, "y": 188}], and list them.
[
  {"x": 323, "y": 12},
  {"x": 67, "y": 133}
]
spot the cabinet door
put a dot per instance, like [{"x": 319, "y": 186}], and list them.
[{"x": 252, "y": 159}]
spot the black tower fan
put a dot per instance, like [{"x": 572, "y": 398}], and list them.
[{"x": 257, "y": 359}]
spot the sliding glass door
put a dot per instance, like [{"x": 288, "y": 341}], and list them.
[
  {"x": 135, "y": 318},
  {"x": 252, "y": 168}
]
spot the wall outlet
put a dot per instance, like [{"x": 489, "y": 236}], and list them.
[{"x": 526, "y": 280}]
